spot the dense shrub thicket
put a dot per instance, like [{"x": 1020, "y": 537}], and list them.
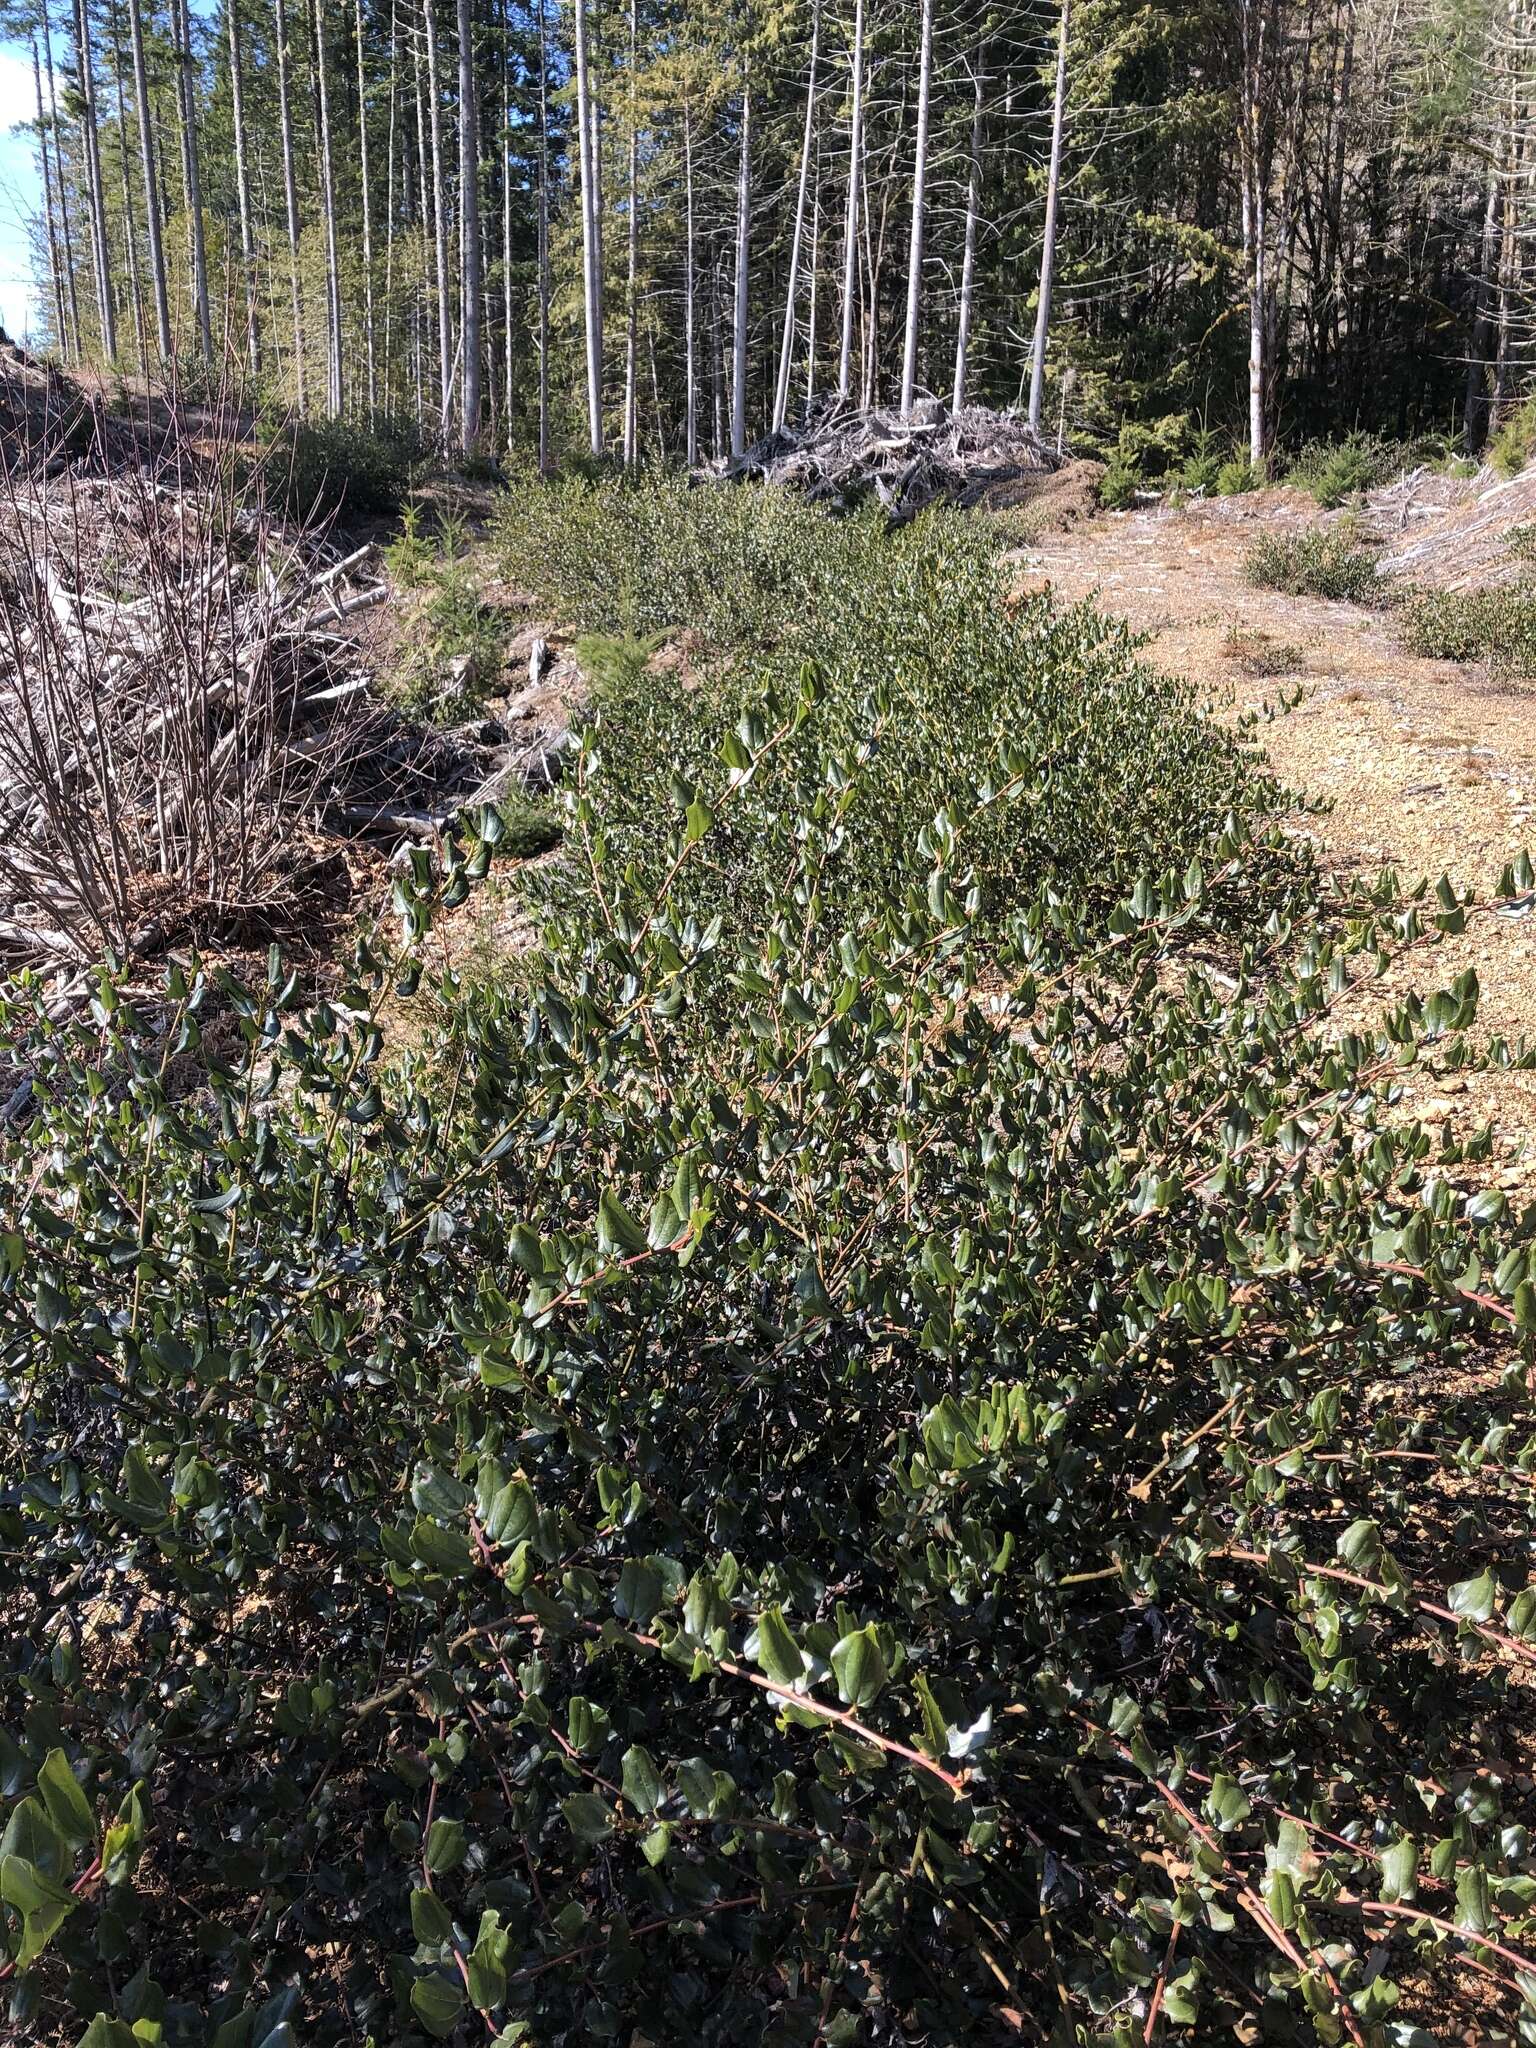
[
  {"x": 929, "y": 679},
  {"x": 924, "y": 1454}
]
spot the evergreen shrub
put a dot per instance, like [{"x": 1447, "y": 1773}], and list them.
[
  {"x": 1319, "y": 561},
  {"x": 320, "y": 468},
  {"x": 1497, "y": 626},
  {"x": 902, "y": 1440}
]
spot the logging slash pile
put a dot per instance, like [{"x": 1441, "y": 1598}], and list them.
[
  {"x": 187, "y": 720},
  {"x": 841, "y": 454}
]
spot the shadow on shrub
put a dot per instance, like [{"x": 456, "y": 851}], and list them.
[{"x": 336, "y": 468}]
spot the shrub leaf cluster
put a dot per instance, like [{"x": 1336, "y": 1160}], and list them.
[{"x": 900, "y": 1440}]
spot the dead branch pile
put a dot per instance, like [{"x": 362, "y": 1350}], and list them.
[
  {"x": 49, "y": 423},
  {"x": 1454, "y": 533},
  {"x": 840, "y": 455},
  {"x": 186, "y": 717}
]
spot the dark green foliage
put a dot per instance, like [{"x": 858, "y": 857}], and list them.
[
  {"x": 323, "y": 467},
  {"x": 1318, "y": 561},
  {"x": 1202, "y": 467},
  {"x": 826, "y": 1471},
  {"x": 1237, "y": 477},
  {"x": 1118, "y": 485},
  {"x": 928, "y": 678},
  {"x": 1497, "y": 626},
  {"x": 1333, "y": 472},
  {"x": 529, "y": 826}
]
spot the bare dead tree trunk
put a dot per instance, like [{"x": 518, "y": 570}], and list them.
[
  {"x": 851, "y": 231},
  {"x": 743, "y": 251},
  {"x": 717, "y": 357},
  {"x": 1052, "y": 203},
  {"x": 787, "y": 341},
  {"x": 632, "y": 272},
  {"x": 469, "y": 226},
  {"x": 590, "y": 228},
  {"x": 1255, "y": 222},
  {"x": 95, "y": 196},
  {"x": 290, "y": 202},
  {"x": 369, "y": 352},
  {"x": 243, "y": 182},
  {"x": 919, "y": 187},
  {"x": 192, "y": 174},
  {"x": 811, "y": 308},
  {"x": 968, "y": 261}
]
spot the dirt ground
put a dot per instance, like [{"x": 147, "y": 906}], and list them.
[{"x": 1428, "y": 766}]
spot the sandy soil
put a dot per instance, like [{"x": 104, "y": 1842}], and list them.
[{"x": 1425, "y": 765}]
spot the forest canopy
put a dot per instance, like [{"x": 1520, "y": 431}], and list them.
[{"x": 662, "y": 228}]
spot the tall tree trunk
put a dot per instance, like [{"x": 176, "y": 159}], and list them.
[
  {"x": 1052, "y": 203},
  {"x": 632, "y": 271},
  {"x": 389, "y": 191},
  {"x": 427, "y": 233},
  {"x": 968, "y": 261},
  {"x": 243, "y": 182},
  {"x": 851, "y": 233},
  {"x": 1475, "y": 413},
  {"x": 469, "y": 226},
  {"x": 152, "y": 227},
  {"x": 919, "y": 188},
  {"x": 370, "y": 355},
  {"x": 787, "y": 341},
  {"x": 192, "y": 173},
  {"x": 55, "y": 259},
  {"x": 130, "y": 231},
  {"x": 543, "y": 249},
  {"x": 717, "y": 359},
  {"x": 439, "y": 220},
  {"x": 1255, "y": 223},
  {"x": 72, "y": 347},
  {"x": 95, "y": 196},
  {"x": 335, "y": 392},
  {"x": 811, "y": 308},
  {"x": 590, "y": 229},
  {"x": 290, "y": 203},
  {"x": 690, "y": 365},
  {"x": 509, "y": 365},
  {"x": 743, "y": 240},
  {"x": 1509, "y": 246}
]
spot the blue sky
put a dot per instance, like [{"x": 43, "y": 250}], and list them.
[{"x": 20, "y": 192}]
